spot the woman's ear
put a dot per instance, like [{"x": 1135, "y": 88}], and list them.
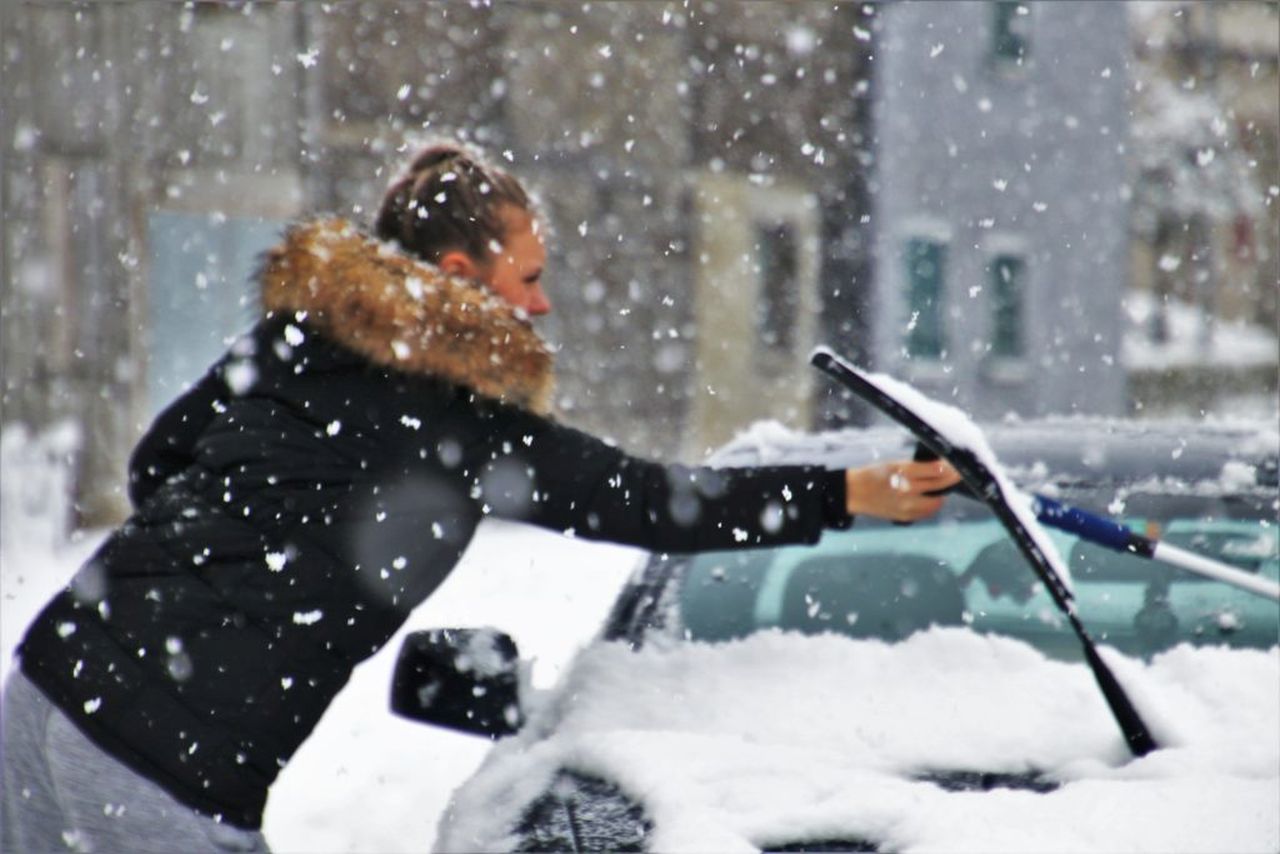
[{"x": 455, "y": 262}]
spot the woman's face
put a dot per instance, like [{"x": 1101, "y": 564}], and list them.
[{"x": 514, "y": 271}]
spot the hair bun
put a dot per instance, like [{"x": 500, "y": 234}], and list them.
[
  {"x": 436, "y": 155},
  {"x": 448, "y": 198}
]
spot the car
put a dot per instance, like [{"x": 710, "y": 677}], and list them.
[{"x": 904, "y": 687}]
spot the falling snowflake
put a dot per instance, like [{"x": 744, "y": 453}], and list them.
[
  {"x": 240, "y": 375},
  {"x": 307, "y": 618}
]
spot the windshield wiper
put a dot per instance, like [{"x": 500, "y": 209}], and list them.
[{"x": 903, "y": 404}]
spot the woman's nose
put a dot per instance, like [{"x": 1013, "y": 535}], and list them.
[{"x": 538, "y": 302}]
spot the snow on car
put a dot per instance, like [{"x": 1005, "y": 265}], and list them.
[{"x": 782, "y": 738}]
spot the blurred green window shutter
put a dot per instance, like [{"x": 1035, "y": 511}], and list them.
[
  {"x": 1010, "y": 22},
  {"x": 1008, "y": 278},
  {"x": 926, "y": 262},
  {"x": 779, "y": 258}
]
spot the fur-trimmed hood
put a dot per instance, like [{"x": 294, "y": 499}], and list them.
[{"x": 402, "y": 313}]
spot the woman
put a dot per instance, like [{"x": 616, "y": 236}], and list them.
[{"x": 321, "y": 480}]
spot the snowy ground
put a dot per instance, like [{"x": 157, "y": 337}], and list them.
[{"x": 366, "y": 781}]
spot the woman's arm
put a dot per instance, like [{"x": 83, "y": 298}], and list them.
[
  {"x": 599, "y": 492},
  {"x": 566, "y": 480}
]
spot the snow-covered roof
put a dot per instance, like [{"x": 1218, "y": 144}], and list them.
[
  {"x": 1194, "y": 339},
  {"x": 1093, "y": 449}
]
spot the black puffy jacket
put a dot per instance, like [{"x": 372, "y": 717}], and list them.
[{"x": 300, "y": 500}]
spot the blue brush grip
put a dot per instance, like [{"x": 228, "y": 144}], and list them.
[{"x": 1095, "y": 529}]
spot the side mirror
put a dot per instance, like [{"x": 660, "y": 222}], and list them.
[{"x": 460, "y": 679}]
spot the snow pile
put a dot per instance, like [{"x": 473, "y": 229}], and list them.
[
  {"x": 36, "y": 509},
  {"x": 782, "y": 738},
  {"x": 769, "y": 439},
  {"x": 1228, "y": 343}
]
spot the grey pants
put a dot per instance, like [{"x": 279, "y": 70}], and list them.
[{"x": 63, "y": 793}]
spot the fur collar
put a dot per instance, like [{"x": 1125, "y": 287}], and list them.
[{"x": 401, "y": 313}]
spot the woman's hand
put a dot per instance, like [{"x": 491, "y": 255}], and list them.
[{"x": 897, "y": 490}]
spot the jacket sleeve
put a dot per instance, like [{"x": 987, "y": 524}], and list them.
[
  {"x": 168, "y": 445},
  {"x": 560, "y": 478}
]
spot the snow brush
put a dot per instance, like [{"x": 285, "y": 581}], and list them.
[
  {"x": 1116, "y": 536},
  {"x": 985, "y": 482}
]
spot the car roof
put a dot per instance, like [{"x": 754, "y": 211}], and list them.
[{"x": 1241, "y": 455}]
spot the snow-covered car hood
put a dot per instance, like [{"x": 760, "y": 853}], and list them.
[{"x": 780, "y": 738}]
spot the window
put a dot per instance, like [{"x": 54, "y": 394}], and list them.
[
  {"x": 1010, "y": 31},
  {"x": 756, "y": 282},
  {"x": 779, "y": 259},
  {"x": 926, "y": 263},
  {"x": 1008, "y": 277},
  {"x": 201, "y": 293}
]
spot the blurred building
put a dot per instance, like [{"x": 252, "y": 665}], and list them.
[
  {"x": 1206, "y": 226},
  {"x": 1001, "y": 203},
  {"x": 935, "y": 189}
]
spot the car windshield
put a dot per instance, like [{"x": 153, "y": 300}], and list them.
[{"x": 879, "y": 580}]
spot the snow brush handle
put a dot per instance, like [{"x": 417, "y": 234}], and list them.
[
  {"x": 1217, "y": 570},
  {"x": 1113, "y": 535}
]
